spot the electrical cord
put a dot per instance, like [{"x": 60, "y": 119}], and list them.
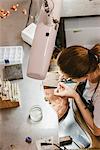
[
  {"x": 52, "y": 7},
  {"x": 29, "y": 13},
  {"x": 76, "y": 143},
  {"x": 46, "y": 7}
]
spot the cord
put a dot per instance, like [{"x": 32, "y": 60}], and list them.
[
  {"x": 76, "y": 143},
  {"x": 29, "y": 13},
  {"x": 52, "y": 7},
  {"x": 46, "y": 7}
]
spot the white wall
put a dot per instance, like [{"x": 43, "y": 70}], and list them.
[
  {"x": 80, "y": 7},
  {"x": 82, "y": 31}
]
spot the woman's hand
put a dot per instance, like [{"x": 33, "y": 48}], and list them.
[{"x": 65, "y": 91}]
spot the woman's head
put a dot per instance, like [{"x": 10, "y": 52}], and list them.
[{"x": 78, "y": 61}]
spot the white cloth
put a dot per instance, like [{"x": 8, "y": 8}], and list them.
[{"x": 88, "y": 92}]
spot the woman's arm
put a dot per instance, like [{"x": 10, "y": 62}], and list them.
[
  {"x": 87, "y": 116},
  {"x": 64, "y": 90}
]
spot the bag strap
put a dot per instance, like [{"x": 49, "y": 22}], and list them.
[{"x": 95, "y": 90}]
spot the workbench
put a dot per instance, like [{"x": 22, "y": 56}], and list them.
[{"x": 15, "y": 125}]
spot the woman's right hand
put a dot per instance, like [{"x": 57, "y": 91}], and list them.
[{"x": 65, "y": 91}]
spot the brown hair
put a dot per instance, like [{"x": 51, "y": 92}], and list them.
[
  {"x": 96, "y": 51},
  {"x": 77, "y": 61}
]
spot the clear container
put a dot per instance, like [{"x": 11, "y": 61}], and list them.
[{"x": 36, "y": 114}]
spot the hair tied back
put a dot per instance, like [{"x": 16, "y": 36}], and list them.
[
  {"x": 92, "y": 54},
  {"x": 96, "y": 51}
]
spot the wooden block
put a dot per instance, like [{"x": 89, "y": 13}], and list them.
[
  {"x": 59, "y": 104},
  {"x": 8, "y": 104},
  {"x": 51, "y": 79}
]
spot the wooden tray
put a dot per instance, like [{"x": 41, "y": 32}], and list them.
[{"x": 8, "y": 104}]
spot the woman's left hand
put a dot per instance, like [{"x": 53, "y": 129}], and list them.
[{"x": 65, "y": 91}]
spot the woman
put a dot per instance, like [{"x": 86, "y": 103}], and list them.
[{"x": 80, "y": 64}]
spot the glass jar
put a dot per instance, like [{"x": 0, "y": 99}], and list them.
[{"x": 36, "y": 114}]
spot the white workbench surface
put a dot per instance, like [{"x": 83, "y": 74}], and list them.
[{"x": 14, "y": 123}]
